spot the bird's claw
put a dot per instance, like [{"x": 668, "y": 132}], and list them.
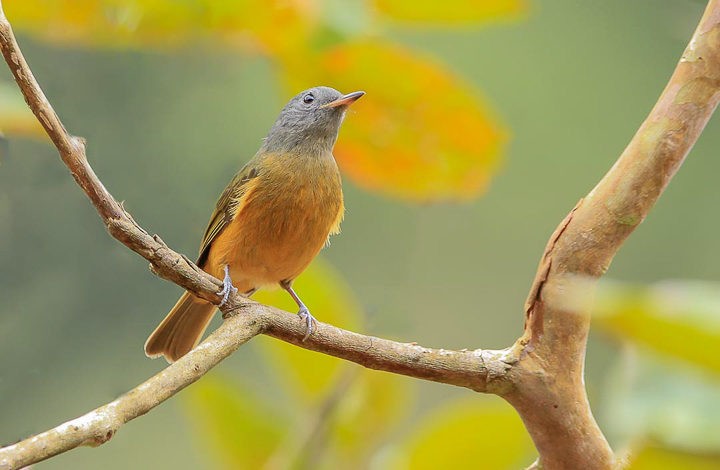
[
  {"x": 227, "y": 289},
  {"x": 310, "y": 321},
  {"x": 303, "y": 313}
]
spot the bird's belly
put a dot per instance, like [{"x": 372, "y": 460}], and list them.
[{"x": 275, "y": 236}]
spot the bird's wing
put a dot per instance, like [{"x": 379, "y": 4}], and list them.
[{"x": 227, "y": 207}]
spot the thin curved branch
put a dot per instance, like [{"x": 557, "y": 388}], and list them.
[{"x": 550, "y": 392}]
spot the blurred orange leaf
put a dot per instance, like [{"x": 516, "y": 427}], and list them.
[
  {"x": 421, "y": 133},
  {"x": 15, "y": 116},
  {"x": 449, "y": 12}
]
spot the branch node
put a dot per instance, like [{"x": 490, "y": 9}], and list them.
[
  {"x": 100, "y": 439},
  {"x": 78, "y": 145},
  {"x": 234, "y": 307}
]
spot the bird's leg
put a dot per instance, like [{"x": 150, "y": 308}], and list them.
[
  {"x": 228, "y": 287},
  {"x": 303, "y": 313}
]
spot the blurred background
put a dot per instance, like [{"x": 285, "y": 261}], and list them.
[{"x": 483, "y": 125}]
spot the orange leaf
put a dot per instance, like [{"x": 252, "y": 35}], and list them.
[{"x": 421, "y": 133}]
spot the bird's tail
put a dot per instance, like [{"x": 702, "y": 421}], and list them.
[{"x": 181, "y": 329}]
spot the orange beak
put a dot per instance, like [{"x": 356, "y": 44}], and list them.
[{"x": 345, "y": 100}]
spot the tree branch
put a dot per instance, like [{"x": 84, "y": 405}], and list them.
[
  {"x": 541, "y": 375},
  {"x": 550, "y": 392}
]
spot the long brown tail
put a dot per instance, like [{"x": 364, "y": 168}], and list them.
[{"x": 181, "y": 329}]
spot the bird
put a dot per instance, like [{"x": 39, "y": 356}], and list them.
[{"x": 272, "y": 219}]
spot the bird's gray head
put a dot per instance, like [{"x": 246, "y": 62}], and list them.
[{"x": 309, "y": 123}]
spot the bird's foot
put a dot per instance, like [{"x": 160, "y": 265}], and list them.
[
  {"x": 303, "y": 313},
  {"x": 310, "y": 321},
  {"x": 228, "y": 287}
]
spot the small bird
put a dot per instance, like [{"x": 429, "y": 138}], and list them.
[{"x": 271, "y": 220}]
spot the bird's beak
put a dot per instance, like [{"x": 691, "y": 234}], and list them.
[{"x": 346, "y": 100}]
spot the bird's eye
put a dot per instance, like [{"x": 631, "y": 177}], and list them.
[{"x": 309, "y": 98}]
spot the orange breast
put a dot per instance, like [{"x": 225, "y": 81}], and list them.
[{"x": 282, "y": 222}]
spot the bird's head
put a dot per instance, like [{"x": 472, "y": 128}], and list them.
[{"x": 310, "y": 122}]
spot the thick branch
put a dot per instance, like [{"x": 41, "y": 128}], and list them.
[{"x": 550, "y": 393}]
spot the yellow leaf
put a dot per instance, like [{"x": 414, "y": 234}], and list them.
[
  {"x": 469, "y": 430},
  {"x": 450, "y": 12},
  {"x": 421, "y": 133},
  {"x": 256, "y": 25},
  {"x": 308, "y": 374},
  {"x": 681, "y": 319},
  {"x": 368, "y": 413},
  {"x": 15, "y": 116},
  {"x": 241, "y": 428},
  {"x": 654, "y": 458}
]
